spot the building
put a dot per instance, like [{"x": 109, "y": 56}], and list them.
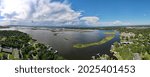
[{"x": 8, "y": 50}]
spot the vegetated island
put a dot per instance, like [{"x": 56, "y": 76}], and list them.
[
  {"x": 110, "y": 36},
  {"x": 16, "y": 45}
]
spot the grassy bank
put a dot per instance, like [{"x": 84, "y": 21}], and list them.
[
  {"x": 106, "y": 39},
  {"x": 109, "y": 32}
]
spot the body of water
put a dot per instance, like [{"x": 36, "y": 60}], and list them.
[{"x": 63, "y": 41}]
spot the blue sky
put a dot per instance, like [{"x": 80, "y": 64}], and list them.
[
  {"x": 75, "y": 12},
  {"x": 134, "y": 11}
]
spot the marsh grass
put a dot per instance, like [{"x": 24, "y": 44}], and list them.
[{"x": 106, "y": 39}]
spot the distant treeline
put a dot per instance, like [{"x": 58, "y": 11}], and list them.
[
  {"x": 81, "y": 27},
  {"x": 4, "y": 26}
]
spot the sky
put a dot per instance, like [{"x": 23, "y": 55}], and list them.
[{"x": 75, "y": 12}]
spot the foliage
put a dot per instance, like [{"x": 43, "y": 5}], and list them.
[
  {"x": 24, "y": 47},
  {"x": 140, "y": 44}
]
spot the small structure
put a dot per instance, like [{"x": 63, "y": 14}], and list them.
[
  {"x": 55, "y": 52},
  {"x": 137, "y": 56},
  {"x": 127, "y": 42},
  {"x": 93, "y": 57},
  {"x": 112, "y": 46},
  {"x": 98, "y": 54},
  {"x": 8, "y": 50},
  {"x": 50, "y": 49}
]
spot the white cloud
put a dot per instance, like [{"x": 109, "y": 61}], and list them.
[
  {"x": 4, "y": 22},
  {"x": 46, "y": 12},
  {"x": 38, "y": 11},
  {"x": 115, "y": 23},
  {"x": 91, "y": 20}
]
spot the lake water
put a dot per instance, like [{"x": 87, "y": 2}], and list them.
[{"x": 63, "y": 41}]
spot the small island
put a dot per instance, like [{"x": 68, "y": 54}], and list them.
[{"x": 109, "y": 36}]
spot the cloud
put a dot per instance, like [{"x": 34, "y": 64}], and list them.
[
  {"x": 91, "y": 20},
  {"x": 115, "y": 23},
  {"x": 38, "y": 11},
  {"x": 4, "y": 22},
  {"x": 47, "y": 13}
]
